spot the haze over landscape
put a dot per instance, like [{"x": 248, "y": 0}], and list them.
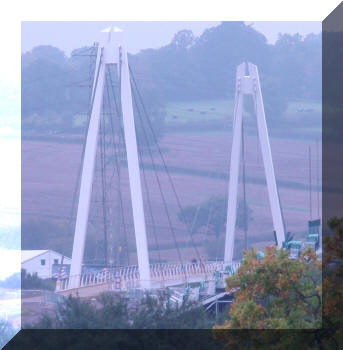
[
  {"x": 181, "y": 80},
  {"x": 187, "y": 86},
  {"x": 69, "y": 35}
]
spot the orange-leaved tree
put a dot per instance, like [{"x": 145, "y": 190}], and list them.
[
  {"x": 276, "y": 292},
  {"x": 330, "y": 336}
]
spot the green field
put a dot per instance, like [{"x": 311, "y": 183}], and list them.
[
  {"x": 197, "y": 111},
  {"x": 310, "y": 110},
  {"x": 206, "y": 110},
  {"x": 302, "y": 119}
]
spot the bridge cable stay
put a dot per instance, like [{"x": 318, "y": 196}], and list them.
[
  {"x": 116, "y": 154},
  {"x": 210, "y": 174},
  {"x": 148, "y": 194},
  {"x": 195, "y": 218},
  {"x": 144, "y": 178},
  {"x": 146, "y": 184},
  {"x": 245, "y": 223},
  {"x": 196, "y": 215},
  {"x": 197, "y": 211},
  {"x": 104, "y": 183},
  {"x": 95, "y": 217},
  {"x": 102, "y": 150},
  {"x": 165, "y": 166},
  {"x": 85, "y": 52},
  {"x": 159, "y": 184},
  {"x": 277, "y": 187},
  {"x": 310, "y": 180},
  {"x": 220, "y": 177},
  {"x": 144, "y": 172},
  {"x": 78, "y": 176},
  {"x": 209, "y": 217},
  {"x": 107, "y": 185},
  {"x": 120, "y": 141},
  {"x": 67, "y": 73},
  {"x": 105, "y": 189}
]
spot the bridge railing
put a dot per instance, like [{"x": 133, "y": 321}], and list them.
[{"x": 128, "y": 277}]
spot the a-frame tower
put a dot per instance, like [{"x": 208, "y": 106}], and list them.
[
  {"x": 111, "y": 52},
  {"x": 248, "y": 83}
]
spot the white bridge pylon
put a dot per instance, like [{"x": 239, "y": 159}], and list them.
[
  {"x": 111, "y": 52},
  {"x": 247, "y": 83}
]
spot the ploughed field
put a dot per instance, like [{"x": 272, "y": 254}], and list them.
[{"x": 198, "y": 164}]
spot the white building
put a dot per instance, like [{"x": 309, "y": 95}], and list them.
[{"x": 42, "y": 262}]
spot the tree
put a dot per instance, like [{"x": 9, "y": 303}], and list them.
[
  {"x": 276, "y": 292},
  {"x": 46, "y": 234},
  {"x": 71, "y": 313},
  {"x": 44, "y": 52},
  {"x": 188, "y": 68},
  {"x": 114, "y": 312},
  {"x": 157, "y": 312},
  {"x": 212, "y": 213},
  {"x": 184, "y": 39},
  {"x": 32, "y": 281},
  {"x": 56, "y": 91},
  {"x": 274, "y": 99},
  {"x": 327, "y": 337}
]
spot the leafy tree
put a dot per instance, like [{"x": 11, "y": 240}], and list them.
[
  {"x": 44, "y": 52},
  {"x": 115, "y": 312},
  {"x": 46, "y": 234},
  {"x": 297, "y": 65},
  {"x": 163, "y": 325},
  {"x": 327, "y": 337},
  {"x": 188, "y": 68},
  {"x": 156, "y": 312},
  {"x": 72, "y": 313},
  {"x": 274, "y": 99},
  {"x": 43, "y": 86},
  {"x": 213, "y": 213},
  {"x": 32, "y": 281},
  {"x": 276, "y": 292},
  {"x": 56, "y": 91},
  {"x": 183, "y": 39}
]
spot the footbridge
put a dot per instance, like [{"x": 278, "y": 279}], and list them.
[
  {"x": 122, "y": 279},
  {"x": 122, "y": 104}
]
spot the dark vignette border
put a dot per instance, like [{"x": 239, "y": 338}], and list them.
[{"x": 332, "y": 139}]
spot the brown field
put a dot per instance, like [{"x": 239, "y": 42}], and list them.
[{"x": 49, "y": 172}]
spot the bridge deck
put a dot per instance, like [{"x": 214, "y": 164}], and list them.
[{"x": 162, "y": 276}]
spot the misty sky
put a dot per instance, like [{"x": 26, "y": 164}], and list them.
[{"x": 139, "y": 35}]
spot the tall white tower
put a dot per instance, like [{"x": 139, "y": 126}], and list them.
[
  {"x": 250, "y": 85},
  {"x": 111, "y": 52}
]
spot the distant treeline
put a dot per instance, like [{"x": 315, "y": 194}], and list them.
[{"x": 56, "y": 88}]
